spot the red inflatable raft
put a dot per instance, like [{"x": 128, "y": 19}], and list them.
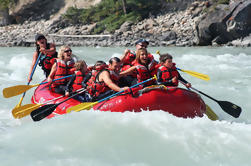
[{"x": 177, "y": 101}]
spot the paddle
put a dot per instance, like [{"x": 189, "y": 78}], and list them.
[
  {"x": 195, "y": 74},
  {"x": 227, "y": 106},
  {"x": 25, "y": 110},
  {"x": 210, "y": 113},
  {"x": 33, "y": 71},
  {"x": 19, "y": 89},
  {"x": 46, "y": 110},
  {"x": 88, "y": 105},
  {"x": 192, "y": 73}
]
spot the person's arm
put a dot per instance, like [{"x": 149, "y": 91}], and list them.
[
  {"x": 86, "y": 79},
  {"x": 68, "y": 87},
  {"x": 105, "y": 76},
  {"x": 187, "y": 84},
  {"x": 49, "y": 51},
  {"x": 52, "y": 73},
  {"x": 128, "y": 71},
  {"x": 124, "y": 55},
  {"x": 35, "y": 56}
]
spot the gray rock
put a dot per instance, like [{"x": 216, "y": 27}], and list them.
[
  {"x": 169, "y": 35},
  {"x": 225, "y": 23}
]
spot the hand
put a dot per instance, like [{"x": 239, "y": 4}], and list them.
[
  {"x": 188, "y": 85},
  {"x": 124, "y": 88},
  {"x": 67, "y": 94},
  {"x": 42, "y": 50},
  {"x": 127, "y": 51},
  {"x": 29, "y": 78},
  {"x": 49, "y": 79},
  {"x": 174, "y": 79}
]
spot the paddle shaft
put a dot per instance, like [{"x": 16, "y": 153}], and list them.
[
  {"x": 56, "y": 79},
  {"x": 33, "y": 71},
  {"x": 34, "y": 68},
  {"x": 124, "y": 90},
  {"x": 205, "y": 94}
]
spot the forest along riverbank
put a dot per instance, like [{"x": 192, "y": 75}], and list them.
[{"x": 175, "y": 28}]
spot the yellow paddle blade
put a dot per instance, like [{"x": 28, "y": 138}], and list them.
[
  {"x": 210, "y": 113},
  {"x": 82, "y": 106},
  {"x": 16, "y": 90},
  {"x": 22, "y": 111},
  {"x": 196, "y": 74}
]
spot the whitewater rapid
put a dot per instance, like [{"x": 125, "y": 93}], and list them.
[{"x": 133, "y": 139}]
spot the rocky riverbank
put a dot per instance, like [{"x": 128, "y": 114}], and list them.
[{"x": 178, "y": 28}]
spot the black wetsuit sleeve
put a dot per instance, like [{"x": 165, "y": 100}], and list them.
[
  {"x": 70, "y": 83},
  {"x": 160, "y": 81},
  {"x": 86, "y": 79},
  {"x": 180, "y": 78}
]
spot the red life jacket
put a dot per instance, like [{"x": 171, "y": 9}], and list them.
[
  {"x": 96, "y": 87},
  {"x": 167, "y": 74},
  {"x": 77, "y": 84},
  {"x": 92, "y": 85},
  {"x": 129, "y": 58},
  {"x": 144, "y": 73},
  {"x": 127, "y": 62},
  {"x": 62, "y": 70},
  {"x": 49, "y": 61},
  {"x": 46, "y": 61}
]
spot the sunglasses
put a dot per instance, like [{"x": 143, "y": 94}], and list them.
[{"x": 67, "y": 51}]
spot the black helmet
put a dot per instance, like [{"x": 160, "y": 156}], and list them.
[
  {"x": 142, "y": 41},
  {"x": 39, "y": 36}
]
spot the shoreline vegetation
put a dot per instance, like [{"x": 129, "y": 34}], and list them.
[{"x": 122, "y": 22}]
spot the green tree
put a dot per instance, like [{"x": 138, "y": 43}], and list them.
[{"x": 6, "y": 3}]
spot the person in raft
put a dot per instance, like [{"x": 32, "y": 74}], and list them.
[
  {"x": 167, "y": 73},
  {"x": 48, "y": 51},
  {"x": 62, "y": 67},
  {"x": 145, "y": 67},
  {"x": 128, "y": 60},
  {"x": 103, "y": 81},
  {"x": 78, "y": 81}
]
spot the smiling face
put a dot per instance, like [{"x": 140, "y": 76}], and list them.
[
  {"x": 115, "y": 66},
  {"x": 141, "y": 56},
  {"x": 67, "y": 54},
  {"x": 41, "y": 42},
  {"x": 168, "y": 63}
]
